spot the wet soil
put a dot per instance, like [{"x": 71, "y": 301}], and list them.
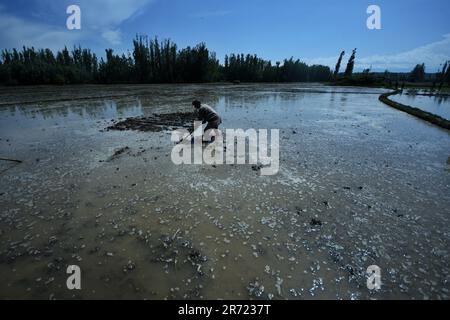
[
  {"x": 157, "y": 122},
  {"x": 359, "y": 184}
]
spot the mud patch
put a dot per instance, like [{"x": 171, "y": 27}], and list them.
[
  {"x": 177, "y": 254},
  {"x": 118, "y": 152},
  {"x": 156, "y": 122}
]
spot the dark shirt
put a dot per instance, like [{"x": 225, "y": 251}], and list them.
[{"x": 207, "y": 114}]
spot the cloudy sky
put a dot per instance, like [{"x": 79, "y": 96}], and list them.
[{"x": 413, "y": 31}]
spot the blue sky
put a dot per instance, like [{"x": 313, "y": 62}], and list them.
[{"x": 413, "y": 31}]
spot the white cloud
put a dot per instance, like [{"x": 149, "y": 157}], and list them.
[
  {"x": 17, "y": 32},
  {"x": 432, "y": 54},
  {"x": 105, "y": 16},
  {"x": 113, "y": 36},
  {"x": 98, "y": 18}
]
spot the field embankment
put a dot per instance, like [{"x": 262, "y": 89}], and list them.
[{"x": 424, "y": 115}]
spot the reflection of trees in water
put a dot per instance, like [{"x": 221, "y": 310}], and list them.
[
  {"x": 440, "y": 99},
  {"x": 123, "y": 108},
  {"x": 332, "y": 98},
  {"x": 257, "y": 99},
  {"x": 175, "y": 101},
  {"x": 174, "y": 98},
  {"x": 94, "y": 109},
  {"x": 344, "y": 98},
  {"x": 159, "y": 99},
  {"x": 12, "y": 109}
]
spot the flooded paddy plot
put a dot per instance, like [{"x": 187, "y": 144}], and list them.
[
  {"x": 359, "y": 184},
  {"x": 438, "y": 105}
]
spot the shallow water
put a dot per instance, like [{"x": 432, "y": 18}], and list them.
[
  {"x": 359, "y": 184},
  {"x": 439, "y": 105}
]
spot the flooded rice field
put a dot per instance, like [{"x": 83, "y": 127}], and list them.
[
  {"x": 438, "y": 105},
  {"x": 359, "y": 184}
]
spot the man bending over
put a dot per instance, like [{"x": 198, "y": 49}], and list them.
[{"x": 206, "y": 114}]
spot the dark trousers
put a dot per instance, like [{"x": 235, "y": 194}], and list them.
[{"x": 213, "y": 125}]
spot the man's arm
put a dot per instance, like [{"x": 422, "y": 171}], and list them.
[{"x": 201, "y": 116}]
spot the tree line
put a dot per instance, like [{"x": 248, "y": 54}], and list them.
[
  {"x": 366, "y": 77},
  {"x": 250, "y": 68},
  {"x": 151, "y": 61}
]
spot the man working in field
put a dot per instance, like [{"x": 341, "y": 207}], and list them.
[{"x": 206, "y": 114}]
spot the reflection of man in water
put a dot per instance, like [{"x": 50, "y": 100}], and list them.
[{"x": 206, "y": 114}]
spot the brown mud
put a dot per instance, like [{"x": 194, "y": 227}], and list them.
[
  {"x": 156, "y": 122},
  {"x": 359, "y": 184}
]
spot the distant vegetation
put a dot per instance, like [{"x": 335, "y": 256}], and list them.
[
  {"x": 350, "y": 65},
  {"x": 250, "y": 68},
  {"x": 418, "y": 73},
  {"x": 417, "y": 76},
  {"x": 154, "y": 61},
  {"x": 338, "y": 64},
  {"x": 151, "y": 61}
]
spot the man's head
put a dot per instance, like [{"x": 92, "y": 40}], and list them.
[{"x": 197, "y": 104}]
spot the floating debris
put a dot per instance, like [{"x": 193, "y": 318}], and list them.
[
  {"x": 130, "y": 266},
  {"x": 255, "y": 289}
]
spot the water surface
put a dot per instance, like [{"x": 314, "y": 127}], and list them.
[
  {"x": 439, "y": 105},
  {"x": 141, "y": 227}
]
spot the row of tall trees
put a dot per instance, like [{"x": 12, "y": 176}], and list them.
[
  {"x": 364, "y": 78},
  {"x": 30, "y": 66},
  {"x": 350, "y": 65},
  {"x": 253, "y": 69},
  {"x": 164, "y": 63},
  {"x": 151, "y": 61}
]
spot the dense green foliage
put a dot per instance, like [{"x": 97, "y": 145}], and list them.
[
  {"x": 250, "y": 68},
  {"x": 151, "y": 61},
  {"x": 30, "y": 66}
]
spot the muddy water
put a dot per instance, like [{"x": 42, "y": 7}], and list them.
[{"x": 359, "y": 184}]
